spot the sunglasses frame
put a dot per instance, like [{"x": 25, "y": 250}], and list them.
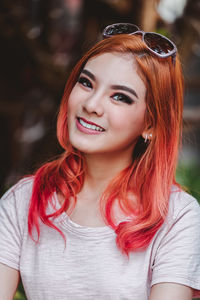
[{"x": 172, "y": 53}]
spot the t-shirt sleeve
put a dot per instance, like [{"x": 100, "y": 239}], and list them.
[
  {"x": 177, "y": 258},
  {"x": 10, "y": 235}
]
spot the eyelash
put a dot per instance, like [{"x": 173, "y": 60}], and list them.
[
  {"x": 85, "y": 82},
  {"x": 123, "y": 98}
]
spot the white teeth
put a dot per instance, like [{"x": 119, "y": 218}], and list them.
[{"x": 90, "y": 126}]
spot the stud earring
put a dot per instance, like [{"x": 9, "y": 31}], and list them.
[{"x": 147, "y": 136}]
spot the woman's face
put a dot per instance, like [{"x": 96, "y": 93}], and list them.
[{"x": 106, "y": 107}]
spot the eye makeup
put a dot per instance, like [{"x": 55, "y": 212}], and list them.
[
  {"x": 120, "y": 97},
  {"x": 124, "y": 88},
  {"x": 85, "y": 82},
  {"x": 124, "y": 98}
]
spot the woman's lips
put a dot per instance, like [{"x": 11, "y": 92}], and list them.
[{"x": 88, "y": 127}]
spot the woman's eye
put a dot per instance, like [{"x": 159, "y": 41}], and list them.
[
  {"x": 122, "y": 98},
  {"x": 85, "y": 82}
]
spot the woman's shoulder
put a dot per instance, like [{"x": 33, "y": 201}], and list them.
[
  {"x": 19, "y": 195},
  {"x": 182, "y": 204},
  {"x": 14, "y": 207},
  {"x": 22, "y": 187},
  {"x": 179, "y": 198},
  {"x": 177, "y": 243}
]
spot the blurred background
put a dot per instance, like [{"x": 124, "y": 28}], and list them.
[{"x": 41, "y": 41}]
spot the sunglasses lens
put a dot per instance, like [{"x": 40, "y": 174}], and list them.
[
  {"x": 122, "y": 28},
  {"x": 158, "y": 44}
]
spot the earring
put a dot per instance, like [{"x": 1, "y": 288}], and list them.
[{"x": 147, "y": 136}]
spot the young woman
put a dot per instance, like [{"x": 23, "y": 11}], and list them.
[{"x": 107, "y": 220}]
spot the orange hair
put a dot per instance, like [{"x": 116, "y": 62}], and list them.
[{"x": 150, "y": 176}]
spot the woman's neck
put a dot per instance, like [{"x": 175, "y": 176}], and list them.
[{"x": 102, "y": 168}]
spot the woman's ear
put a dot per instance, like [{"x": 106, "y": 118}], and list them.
[{"x": 147, "y": 135}]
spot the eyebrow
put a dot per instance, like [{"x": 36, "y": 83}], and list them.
[
  {"x": 124, "y": 88},
  {"x": 88, "y": 73},
  {"x": 115, "y": 86}
]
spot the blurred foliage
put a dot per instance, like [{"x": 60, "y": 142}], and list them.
[
  {"x": 20, "y": 295},
  {"x": 164, "y": 32},
  {"x": 189, "y": 178}
]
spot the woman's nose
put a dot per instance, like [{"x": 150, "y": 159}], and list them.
[{"x": 94, "y": 105}]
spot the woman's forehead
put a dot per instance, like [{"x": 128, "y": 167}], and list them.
[
  {"x": 115, "y": 69},
  {"x": 121, "y": 56},
  {"x": 119, "y": 65}
]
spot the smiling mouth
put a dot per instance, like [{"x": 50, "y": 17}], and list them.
[{"x": 90, "y": 125}]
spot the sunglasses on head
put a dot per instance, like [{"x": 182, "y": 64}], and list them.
[{"x": 155, "y": 42}]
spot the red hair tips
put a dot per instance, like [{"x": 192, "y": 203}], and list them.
[{"x": 142, "y": 190}]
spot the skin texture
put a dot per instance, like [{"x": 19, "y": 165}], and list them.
[
  {"x": 97, "y": 101},
  {"x": 119, "y": 112},
  {"x": 166, "y": 291},
  {"x": 9, "y": 280}
]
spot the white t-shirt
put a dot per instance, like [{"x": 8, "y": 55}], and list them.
[{"x": 91, "y": 266}]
